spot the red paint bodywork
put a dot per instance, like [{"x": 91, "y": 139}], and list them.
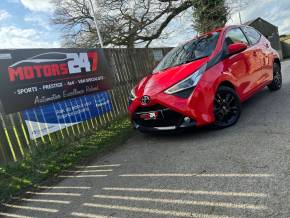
[{"x": 248, "y": 72}]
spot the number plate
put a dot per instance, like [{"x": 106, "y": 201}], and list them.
[{"x": 149, "y": 116}]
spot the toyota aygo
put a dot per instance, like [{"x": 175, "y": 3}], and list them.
[{"x": 205, "y": 80}]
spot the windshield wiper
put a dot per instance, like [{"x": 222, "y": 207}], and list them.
[
  {"x": 194, "y": 59},
  {"x": 185, "y": 62},
  {"x": 175, "y": 65}
]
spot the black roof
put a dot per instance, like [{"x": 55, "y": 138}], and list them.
[{"x": 248, "y": 23}]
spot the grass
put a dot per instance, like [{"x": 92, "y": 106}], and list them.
[{"x": 52, "y": 159}]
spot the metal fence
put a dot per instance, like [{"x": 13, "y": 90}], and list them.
[{"x": 128, "y": 66}]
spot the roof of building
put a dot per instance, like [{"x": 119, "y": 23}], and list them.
[
  {"x": 285, "y": 38},
  {"x": 248, "y": 23}
]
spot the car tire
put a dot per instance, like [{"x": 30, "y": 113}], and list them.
[
  {"x": 227, "y": 107},
  {"x": 276, "y": 84}
]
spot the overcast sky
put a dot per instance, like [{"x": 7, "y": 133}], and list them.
[{"x": 25, "y": 23}]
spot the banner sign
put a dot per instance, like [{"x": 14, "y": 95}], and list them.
[
  {"x": 34, "y": 77},
  {"x": 51, "y": 118}
]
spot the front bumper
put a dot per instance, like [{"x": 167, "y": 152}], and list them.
[
  {"x": 198, "y": 107},
  {"x": 167, "y": 119}
]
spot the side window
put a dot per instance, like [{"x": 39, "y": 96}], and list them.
[
  {"x": 235, "y": 36},
  {"x": 252, "y": 35}
]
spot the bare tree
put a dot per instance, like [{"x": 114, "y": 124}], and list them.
[
  {"x": 127, "y": 23},
  {"x": 124, "y": 23}
]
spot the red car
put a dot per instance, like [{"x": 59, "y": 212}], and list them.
[{"x": 205, "y": 80}]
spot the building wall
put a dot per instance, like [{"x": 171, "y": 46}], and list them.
[{"x": 270, "y": 32}]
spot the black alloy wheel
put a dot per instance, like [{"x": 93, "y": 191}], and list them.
[
  {"x": 227, "y": 107},
  {"x": 277, "y": 78}
]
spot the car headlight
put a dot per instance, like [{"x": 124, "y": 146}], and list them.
[
  {"x": 132, "y": 95},
  {"x": 188, "y": 82}
]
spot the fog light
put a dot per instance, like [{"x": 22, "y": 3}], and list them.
[{"x": 186, "y": 119}]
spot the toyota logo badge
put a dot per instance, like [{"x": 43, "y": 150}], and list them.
[{"x": 145, "y": 100}]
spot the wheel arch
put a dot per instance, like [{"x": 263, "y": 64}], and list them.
[{"x": 227, "y": 83}]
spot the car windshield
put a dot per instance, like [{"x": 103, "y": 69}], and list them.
[{"x": 193, "y": 50}]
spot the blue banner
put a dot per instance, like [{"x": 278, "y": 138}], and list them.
[{"x": 50, "y": 118}]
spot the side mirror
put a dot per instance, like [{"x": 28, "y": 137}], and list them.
[{"x": 236, "y": 48}]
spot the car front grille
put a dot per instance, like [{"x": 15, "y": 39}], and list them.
[{"x": 156, "y": 107}]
